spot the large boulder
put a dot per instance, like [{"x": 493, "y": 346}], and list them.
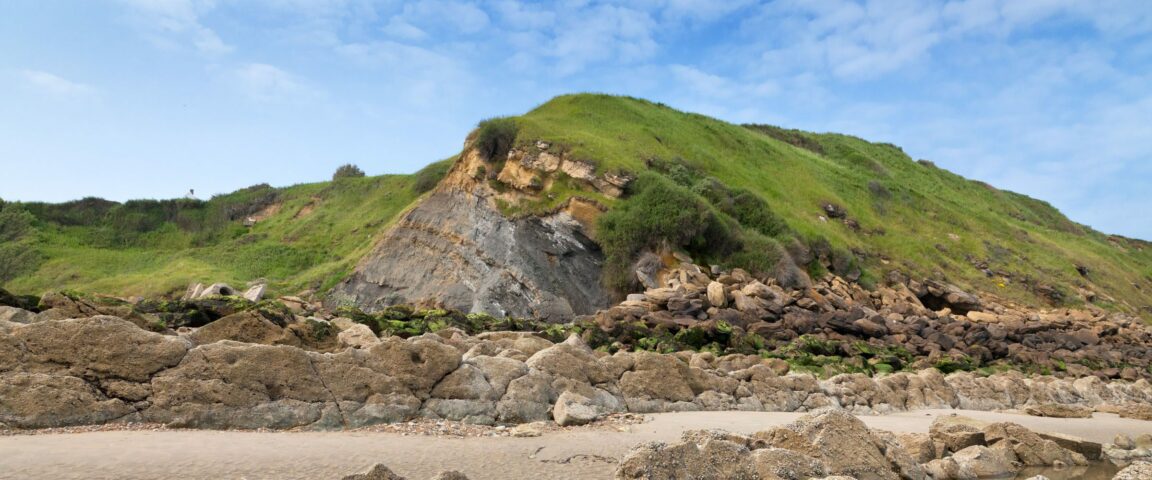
[
  {"x": 663, "y": 378},
  {"x": 1057, "y": 410},
  {"x": 100, "y": 347},
  {"x": 1135, "y": 471},
  {"x": 844, "y": 445},
  {"x": 38, "y": 400},
  {"x": 574, "y": 409},
  {"x": 979, "y": 461},
  {"x": 1030, "y": 448},
  {"x": 714, "y": 459},
  {"x": 571, "y": 359},
  {"x": 248, "y": 327},
  {"x": 418, "y": 362},
  {"x": 955, "y": 432}
]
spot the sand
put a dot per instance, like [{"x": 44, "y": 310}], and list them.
[{"x": 572, "y": 453}]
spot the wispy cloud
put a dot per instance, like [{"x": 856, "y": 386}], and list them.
[
  {"x": 266, "y": 83},
  {"x": 55, "y": 85},
  {"x": 176, "y": 23}
]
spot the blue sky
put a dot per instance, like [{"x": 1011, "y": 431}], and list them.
[{"x": 148, "y": 98}]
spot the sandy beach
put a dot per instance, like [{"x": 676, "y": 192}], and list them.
[{"x": 570, "y": 453}]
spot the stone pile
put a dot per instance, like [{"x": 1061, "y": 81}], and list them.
[
  {"x": 830, "y": 443},
  {"x": 959, "y": 328},
  {"x": 105, "y": 369}
]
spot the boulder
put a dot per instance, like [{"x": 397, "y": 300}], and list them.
[
  {"x": 38, "y": 400},
  {"x": 918, "y": 445},
  {"x": 498, "y": 371},
  {"x": 844, "y": 445},
  {"x": 1138, "y": 411},
  {"x": 418, "y": 362},
  {"x": 781, "y": 464},
  {"x": 96, "y": 347},
  {"x": 1057, "y": 410},
  {"x": 248, "y": 327},
  {"x": 716, "y": 295},
  {"x": 15, "y": 315},
  {"x": 465, "y": 383},
  {"x": 955, "y": 432},
  {"x": 573, "y": 409},
  {"x": 1135, "y": 471},
  {"x": 1030, "y": 448},
  {"x": 575, "y": 362},
  {"x": 255, "y": 292},
  {"x": 657, "y": 377},
  {"x": 715, "y": 459},
  {"x": 979, "y": 461},
  {"x": 357, "y": 336},
  {"x": 1089, "y": 449},
  {"x": 376, "y": 472}
]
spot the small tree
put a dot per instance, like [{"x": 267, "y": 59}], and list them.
[{"x": 347, "y": 171}]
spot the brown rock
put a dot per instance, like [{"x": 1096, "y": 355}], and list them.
[
  {"x": 37, "y": 400},
  {"x": 979, "y": 461},
  {"x": 1138, "y": 411},
  {"x": 1091, "y": 450},
  {"x": 716, "y": 295},
  {"x": 375, "y": 472},
  {"x": 1135, "y": 471},
  {"x": 845, "y": 446},
  {"x": 573, "y": 409},
  {"x": 247, "y": 327},
  {"x": 956, "y": 433},
  {"x": 1030, "y": 448},
  {"x": 1057, "y": 410},
  {"x": 100, "y": 347}
]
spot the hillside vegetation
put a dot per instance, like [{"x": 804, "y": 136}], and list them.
[
  {"x": 773, "y": 201},
  {"x": 757, "y": 195},
  {"x": 303, "y": 237}
]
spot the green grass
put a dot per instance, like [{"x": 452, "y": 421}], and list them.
[
  {"x": 311, "y": 238},
  {"x": 911, "y": 216}
]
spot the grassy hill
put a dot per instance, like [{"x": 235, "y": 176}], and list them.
[
  {"x": 756, "y": 196},
  {"x": 778, "y": 192},
  {"x": 304, "y": 237}
]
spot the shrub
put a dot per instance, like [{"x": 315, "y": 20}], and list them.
[
  {"x": 347, "y": 170},
  {"x": 661, "y": 213},
  {"x": 495, "y": 137}
]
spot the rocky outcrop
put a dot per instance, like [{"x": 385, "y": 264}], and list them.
[
  {"x": 104, "y": 369},
  {"x": 456, "y": 249},
  {"x": 834, "y": 443}
]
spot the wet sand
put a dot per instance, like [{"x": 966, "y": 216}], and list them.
[{"x": 572, "y": 453}]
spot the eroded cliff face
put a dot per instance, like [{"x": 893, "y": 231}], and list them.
[{"x": 457, "y": 249}]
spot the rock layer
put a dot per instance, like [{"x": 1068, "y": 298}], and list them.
[{"x": 456, "y": 249}]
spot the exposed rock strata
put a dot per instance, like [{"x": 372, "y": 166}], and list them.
[{"x": 456, "y": 249}]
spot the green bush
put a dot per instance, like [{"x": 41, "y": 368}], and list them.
[
  {"x": 495, "y": 137},
  {"x": 347, "y": 170},
  {"x": 660, "y": 213}
]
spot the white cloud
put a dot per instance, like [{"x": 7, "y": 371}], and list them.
[
  {"x": 55, "y": 85},
  {"x": 459, "y": 16},
  {"x": 173, "y": 23},
  {"x": 266, "y": 83},
  {"x": 398, "y": 28}
]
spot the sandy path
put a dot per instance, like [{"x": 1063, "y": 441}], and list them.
[{"x": 184, "y": 454}]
